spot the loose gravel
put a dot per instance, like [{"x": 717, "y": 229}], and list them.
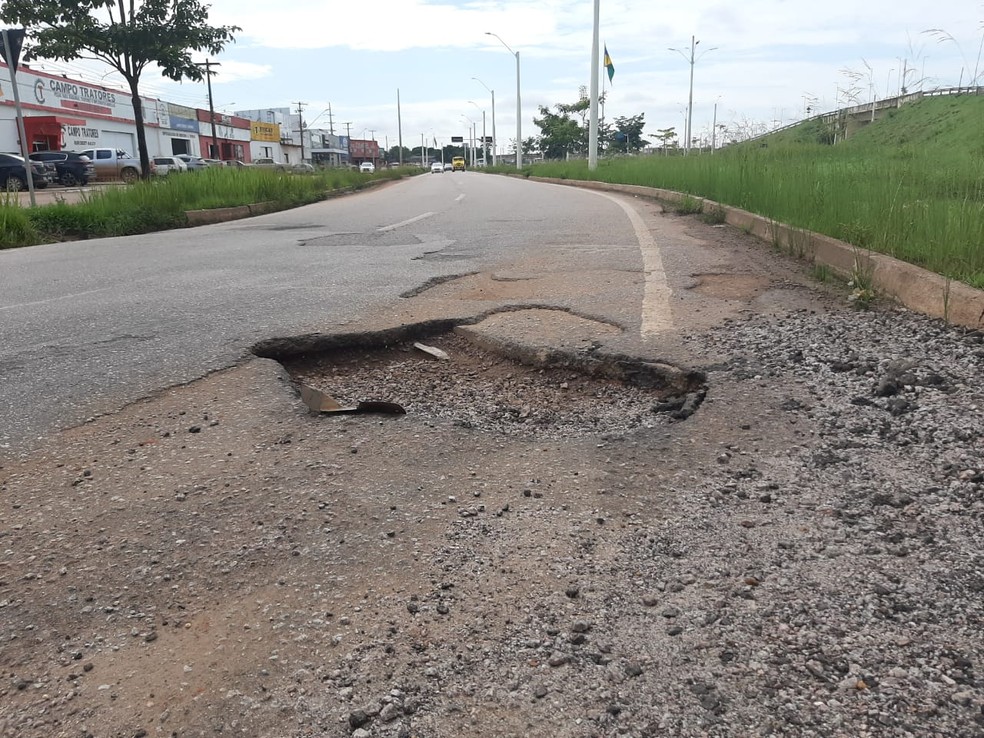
[{"x": 801, "y": 556}]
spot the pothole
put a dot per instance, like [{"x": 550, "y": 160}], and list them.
[{"x": 552, "y": 395}]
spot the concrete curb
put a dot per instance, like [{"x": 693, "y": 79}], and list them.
[
  {"x": 221, "y": 215},
  {"x": 914, "y": 287}
]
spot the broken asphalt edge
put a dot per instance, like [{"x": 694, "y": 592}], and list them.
[
  {"x": 629, "y": 370},
  {"x": 913, "y": 287}
]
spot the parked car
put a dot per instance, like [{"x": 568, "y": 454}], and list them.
[
  {"x": 214, "y": 162},
  {"x": 268, "y": 163},
  {"x": 71, "y": 169},
  {"x": 193, "y": 163},
  {"x": 114, "y": 164},
  {"x": 164, "y": 165},
  {"x": 437, "y": 168},
  {"x": 368, "y": 167},
  {"x": 13, "y": 173},
  {"x": 235, "y": 163},
  {"x": 302, "y": 168}
]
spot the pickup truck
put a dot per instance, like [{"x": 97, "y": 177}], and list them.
[{"x": 113, "y": 164}]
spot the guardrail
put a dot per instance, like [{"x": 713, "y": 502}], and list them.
[{"x": 884, "y": 104}]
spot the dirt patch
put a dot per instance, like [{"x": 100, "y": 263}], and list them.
[{"x": 731, "y": 286}]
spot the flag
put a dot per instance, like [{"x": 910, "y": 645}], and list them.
[{"x": 608, "y": 65}]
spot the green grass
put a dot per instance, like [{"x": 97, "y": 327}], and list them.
[
  {"x": 910, "y": 185},
  {"x": 160, "y": 204}
]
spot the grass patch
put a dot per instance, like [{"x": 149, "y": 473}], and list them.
[
  {"x": 689, "y": 206},
  {"x": 910, "y": 185},
  {"x": 160, "y": 203}
]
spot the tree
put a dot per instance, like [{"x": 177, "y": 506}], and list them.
[
  {"x": 127, "y": 35},
  {"x": 629, "y": 132},
  {"x": 665, "y": 136},
  {"x": 560, "y": 134}
]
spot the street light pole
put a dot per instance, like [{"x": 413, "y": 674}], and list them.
[
  {"x": 484, "y": 162},
  {"x": 495, "y": 141},
  {"x": 690, "y": 104},
  {"x": 519, "y": 106},
  {"x": 593, "y": 114}
]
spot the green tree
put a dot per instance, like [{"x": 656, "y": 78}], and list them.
[
  {"x": 561, "y": 134},
  {"x": 628, "y": 133},
  {"x": 128, "y": 35},
  {"x": 665, "y": 137}
]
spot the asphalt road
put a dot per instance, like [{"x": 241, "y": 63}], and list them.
[{"x": 87, "y": 327}]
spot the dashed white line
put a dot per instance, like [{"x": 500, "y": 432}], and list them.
[{"x": 402, "y": 223}]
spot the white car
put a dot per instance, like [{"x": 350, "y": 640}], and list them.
[
  {"x": 162, "y": 165},
  {"x": 367, "y": 167},
  {"x": 437, "y": 168}
]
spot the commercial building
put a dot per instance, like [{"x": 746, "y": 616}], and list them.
[{"x": 65, "y": 114}]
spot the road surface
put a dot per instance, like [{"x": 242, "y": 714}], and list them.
[{"x": 86, "y": 327}]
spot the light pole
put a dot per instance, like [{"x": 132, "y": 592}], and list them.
[
  {"x": 690, "y": 104},
  {"x": 495, "y": 141},
  {"x": 484, "y": 162},
  {"x": 519, "y": 106},
  {"x": 471, "y": 139}
]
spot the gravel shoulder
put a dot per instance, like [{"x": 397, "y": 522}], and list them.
[{"x": 525, "y": 552}]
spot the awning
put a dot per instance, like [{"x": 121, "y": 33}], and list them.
[{"x": 48, "y": 125}]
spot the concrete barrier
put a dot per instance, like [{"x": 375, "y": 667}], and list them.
[{"x": 916, "y": 288}]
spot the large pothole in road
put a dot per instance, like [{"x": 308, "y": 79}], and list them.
[{"x": 545, "y": 395}]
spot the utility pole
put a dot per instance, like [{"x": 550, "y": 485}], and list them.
[
  {"x": 208, "y": 64},
  {"x": 331, "y": 121},
  {"x": 300, "y": 124},
  {"x": 348, "y": 137}
]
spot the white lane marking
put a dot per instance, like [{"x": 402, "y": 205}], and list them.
[
  {"x": 402, "y": 223},
  {"x": 657, "y": 315},
  {"x": 460, "y": 197}
]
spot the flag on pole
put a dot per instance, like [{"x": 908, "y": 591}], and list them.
[{"x": 608, "y": 65}]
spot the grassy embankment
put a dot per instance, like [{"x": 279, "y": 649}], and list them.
[
  {"x": 910, "y": 185},
  {"x": 160, "y": 204}
]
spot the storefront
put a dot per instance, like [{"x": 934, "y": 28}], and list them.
[
  {"x": 64, "y": 114},
  {"x": 179, "y": 130},
  {"x": 225, "y": 137},
  {"x": 47, "y": 132}
]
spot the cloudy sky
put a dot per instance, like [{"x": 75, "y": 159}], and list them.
[{"x": 761, "y": 61}]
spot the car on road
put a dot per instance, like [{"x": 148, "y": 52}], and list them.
[
  {"x": 368, "y": 167},
  {"x": 13, "y": 173},
  {"x": 193, "y": 163},
  {"x": 437, "y": 168},
  {"x": 448, "y": 167},
  {"x": 71, "y": 169},
  {"x": 164, "y": 165},
  {"x": 458, "y": 164}
]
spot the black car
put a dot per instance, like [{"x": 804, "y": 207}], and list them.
[
  {"x": 13, "y": 175},
  {"x": 71, "y": 168}
]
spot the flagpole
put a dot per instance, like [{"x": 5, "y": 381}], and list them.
[{"x": 593, "y": 125}]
